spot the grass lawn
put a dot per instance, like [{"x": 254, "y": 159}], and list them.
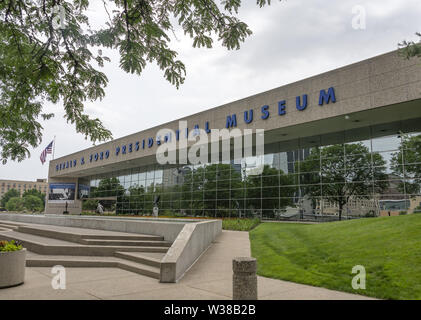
[
  {"x": 239, "y": 224},
  {"x": 323, "y": 254}
]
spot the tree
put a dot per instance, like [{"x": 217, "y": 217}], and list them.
[
  {"x": 44, "y": 59},
  {"x": 137, "y": 199},
  {"x": 406, "y": 163},
  {"x": 210, "y": 190},
  {"x": 35, "y": 192},
  {"x": 12, "y": 193},
  {"x": 107, "y": 187},
  {"x": 270, "y": 190},
  {"x": 89, "y": 204},
  {"x": 410, "y": 49},
  {"x": 15, "y": 204},
  {"x": 221, "y": 184},
  {"x": 111, "y": 187},
  {"x": 33, "y": 203},
  {"x": 345, "y": 171}
]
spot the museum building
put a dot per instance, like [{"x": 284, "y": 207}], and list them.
[{"x": 342, "y": 143}]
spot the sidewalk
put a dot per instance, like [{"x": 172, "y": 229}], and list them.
[{"x": 210, "y": 278}]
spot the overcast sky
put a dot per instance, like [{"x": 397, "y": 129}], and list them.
[{"x": 292, "y": 40}]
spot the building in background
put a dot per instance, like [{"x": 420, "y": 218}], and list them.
[{"x": 22, "y": 186}]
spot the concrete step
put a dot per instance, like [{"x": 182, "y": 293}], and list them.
[
  {"x": 139, "y": 258},
  {"x": 126, "y": 243},
  {"x": 123, "y": 237},
  {"x": 15, "y": 224},
  {"x": 92, "y": 262},
  {"x": 77, "y": 236},
  {"x": 48, "y": 246},
  {"x": 8, "y": 226}
]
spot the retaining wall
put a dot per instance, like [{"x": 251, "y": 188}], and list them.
[{"x": 190, "y": 244}]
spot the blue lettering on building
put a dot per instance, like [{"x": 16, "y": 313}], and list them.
[
  {"x": 196, "y": 130},
  {"x": 231, "y": 121},
  {"x": 326, "y": 96},
  {"x": 248, "y": 116},
  {"x": 302, "y": 106},
  {"x": 207, "y": 129},
  {"x": 167, "y": 137},
  {"x": 282, "y": 107},
  {"x": 265, "y": 112}
]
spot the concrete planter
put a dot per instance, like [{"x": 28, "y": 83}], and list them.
[{"x": 12, "y": 268}]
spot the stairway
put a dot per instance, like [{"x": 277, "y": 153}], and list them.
[{"x": 78, "y": 247}]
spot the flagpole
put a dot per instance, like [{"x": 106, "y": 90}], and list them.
[{"x": 54, "y": 146}]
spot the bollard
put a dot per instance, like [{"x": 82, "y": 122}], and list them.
[{"x": 244, "y": 279}]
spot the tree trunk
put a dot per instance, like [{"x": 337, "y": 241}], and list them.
[{"x": 340, "y": 210}]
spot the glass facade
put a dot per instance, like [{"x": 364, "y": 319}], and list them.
[{"x": 359, "y": 173}]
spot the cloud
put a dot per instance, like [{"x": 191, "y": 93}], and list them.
[{"x": 292, "y": 40}]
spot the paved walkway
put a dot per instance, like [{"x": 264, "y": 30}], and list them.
[{"x": 210, "y": 278}]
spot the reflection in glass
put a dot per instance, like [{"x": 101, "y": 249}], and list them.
[{"x": 324, "y": 177}]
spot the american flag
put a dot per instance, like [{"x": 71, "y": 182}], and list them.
[{"x": 46, "y": 151}]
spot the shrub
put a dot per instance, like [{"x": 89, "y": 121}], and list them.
[
  {"x": 12, "y": 193},
  {"x": 417, "y": 209},
  {"x": 240, "y": 224},
  {"x": 33, "y": 203},
  {"x": 89, "y": 204},
  {"x": 15, "y": 204},
  {"x": 402, "y": 213},
  {"x": 37, "y": 193},
  {"x": 7, "y": 246},
  {"x": 370, "y": 214}
]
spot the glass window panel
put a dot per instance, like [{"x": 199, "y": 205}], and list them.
[
  {"x": 311, "y": 164},
  {"x": 150, "y": 175},
  {"x": 158, "y": 174},
  {"x": 411, "y": 170},
  {"x": 135, "y": 175},
  {"x": 310, "y": 178},
  {"x": 310, "y": 191},
  {"x": 410, "y": 186},
  {"x": 269, "y": 181},
  {"x": 254, "y": 193},
  {"x": 388, "y": 143},
  {"x": 270, "y": 193}
]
